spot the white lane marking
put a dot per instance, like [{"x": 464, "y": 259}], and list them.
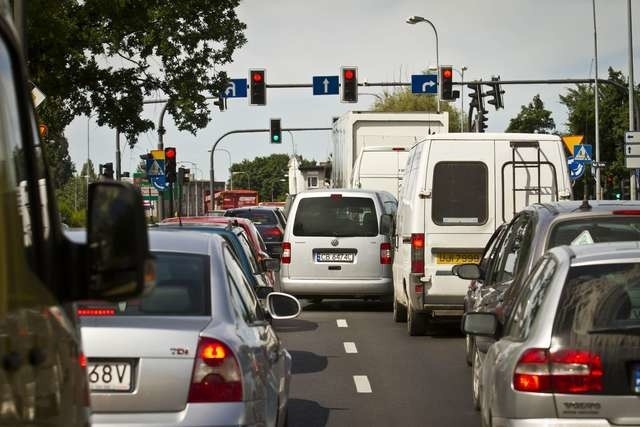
[
  {"x": 350, "y": 347},
  {"x": 342, "y": 323},
  {"x": 362, "y": 384}
]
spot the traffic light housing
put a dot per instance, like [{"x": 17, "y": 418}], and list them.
[
  {"x": 625, "y": 185},
  {"x": 184, "y": 175},
  {"x": 257, "y": 87},
  {"x": 275, "y": 131},
  {"x": 221, "y": 102},
  {"x": 170, "y": 164},
  {"x": 349, "y": 84},
  {"x": 496, "y": 93},
  {"x": 106, "y": 170},
  {"x": 446, "y": 83}
]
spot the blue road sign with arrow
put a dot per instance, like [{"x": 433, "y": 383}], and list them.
[
  {"x": 326, "y": 85},
  {"x": 424, "y": 83},
  {"x": 159, "y": 182},
  {"x": 237, "y": 88},
  {"x": 582, "y": 153},
  {"x": 576, "y": 169}
]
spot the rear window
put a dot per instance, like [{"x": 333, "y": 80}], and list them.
[
  {"x": 460, "y": 193},
  {"x": 595, "y": 230},
  {"x": 259, "y": 217},
  {"x": 336, "y": 216},
  {"x": 182, "y": 289}
]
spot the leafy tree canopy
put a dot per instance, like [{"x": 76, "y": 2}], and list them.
[
  {"x": 264, "y": 174},
  {"x": 58, "y": 159},
  {"x": 533, "y": 118},
  {"x": 106, "y": 56}
]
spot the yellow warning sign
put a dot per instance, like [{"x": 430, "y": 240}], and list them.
[
  {"x": 571, "y": 140},
  {"x": 157, "y": 154}
]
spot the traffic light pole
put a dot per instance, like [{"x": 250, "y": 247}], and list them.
[{"x": 215, "y": 144}]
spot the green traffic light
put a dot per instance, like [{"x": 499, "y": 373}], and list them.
[{"x": 276, "y": 138}]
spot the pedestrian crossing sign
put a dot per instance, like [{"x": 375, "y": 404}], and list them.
[{"x": 582, "y": 153}]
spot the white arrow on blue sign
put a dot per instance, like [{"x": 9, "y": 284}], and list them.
[
  {"x": 576, "y": 169},
  {"x": 326, "y": 85},
  {"x": 424, "y": 83},
  {"x": 159, "y": 182},
  {"x": 237, "y": 88}
]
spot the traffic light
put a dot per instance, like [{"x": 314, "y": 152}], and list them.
[
  {"x": 221, "y": 102},
  {"x": 170, "y": 164},
  {"x": 275, "y": 131},
  {"x": 446, "y": 83},
  {"x": 184, "y": 175},
  {"x": 477, "y": 103},
  {"x": 625, "y": 185},
  {"x": 257, "y": 88},
  {"x": 482, "y": 118},
  {"x": 43, "y": 130},
  {"x": 349, "y": 84},
  {"x": 106, "y": 170},
  {"x": 496, "y": 92}
]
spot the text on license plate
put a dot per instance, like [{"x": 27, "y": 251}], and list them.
[
  {"x": 334, "y": 257},
  {"x": 458, "y": 258},
  {"x": 636, "y": 378},
  {"x": 109, "y": 376}
]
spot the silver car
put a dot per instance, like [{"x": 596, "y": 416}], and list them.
[
  {"x": 336, "y": 245},
  {"x": 198, "y": 350},
  {"x": 569, "y": 354}
]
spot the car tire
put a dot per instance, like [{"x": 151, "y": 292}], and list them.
[
  {"x": 476, "y": 386},
  {"x": 416, "y": 322},
  {"x": 469, "y": 347},
  {"x": 399, "y": 311}
]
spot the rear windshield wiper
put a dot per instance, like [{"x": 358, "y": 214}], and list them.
[{"x": 616, "y": 330}]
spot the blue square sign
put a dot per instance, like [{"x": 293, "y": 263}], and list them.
[
  {"x": 582, "y": 153},
  {"x": 424, "y": 83}
]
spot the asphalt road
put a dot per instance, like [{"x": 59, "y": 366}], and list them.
[{"x": 390, "y": 380}]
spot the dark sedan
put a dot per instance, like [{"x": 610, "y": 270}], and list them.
[{"x": 270, "y": 222}]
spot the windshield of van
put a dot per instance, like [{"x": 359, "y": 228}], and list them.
[
  {"x": 595, "y": 230},
  {"x": 336, "y": 216},
  {"x": 460, "y": 193}
]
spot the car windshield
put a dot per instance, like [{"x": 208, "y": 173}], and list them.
[
  {"x": 614, "y": 228},
  {"x": 336, "y": 216}
]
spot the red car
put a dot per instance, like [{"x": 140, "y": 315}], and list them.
[{"x": 257, "y": 244}]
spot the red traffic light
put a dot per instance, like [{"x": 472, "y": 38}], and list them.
[
  {"x": 446, "y": 73},
  {"x": 349, "y": 74},
  {"x": 170, "y": 153},
  {"x": 256, "y": 76}
]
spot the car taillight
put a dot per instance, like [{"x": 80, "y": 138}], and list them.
[
  {"x": 417, "y": 253},
  {"x": 626, "y": 212},
  {"x": 564, "y": 371},
  {"x": 272, "y": 232},
  {"x": 385, "y": 253},
  {"x": 96, "y": 312},
  {"x": 216, "y": 374},
  {"x": 285, "y": 257}
]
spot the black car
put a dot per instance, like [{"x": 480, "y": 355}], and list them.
[{"x": 270, "y": 222}]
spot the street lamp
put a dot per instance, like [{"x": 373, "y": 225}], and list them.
[
  {"x": 229, "y": 156},
  {"x": 416, "y": 19},
  {"x": 239, "y": 172},
  {"x": 461, "y": 72}
]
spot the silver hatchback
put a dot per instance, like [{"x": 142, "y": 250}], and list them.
[
  {"x": 198, "y": 350},
  {"x": 569, "y": 354},
  {"x": 337, "y": 244}
]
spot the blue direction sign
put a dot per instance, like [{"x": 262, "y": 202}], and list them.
[
  {"x": 582, "y": 153},
  {"x": 237, "y": 88},
  {"x": 424, "y": 83},
  {"x": 159, "y": 182},
  {"x": 576, "y": 169},
  {"x": 326, "y": 85}
]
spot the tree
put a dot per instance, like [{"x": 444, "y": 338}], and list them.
[
  {"x": 533, "y": 118},
  {"x": 404, "y": 100},
  {"x": 264, "y": 174},
  {"x": 107, "y": 56},
  {"x": 87, "y": 168},
  {"x": 72, "y": 201},
  {"x": 58, "y": 159}
]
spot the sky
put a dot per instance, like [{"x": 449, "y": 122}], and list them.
[{"x": 297, "y": 39}]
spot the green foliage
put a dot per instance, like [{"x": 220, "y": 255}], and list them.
[
  {"x": 533, "y": 118},
  {"x": 56, "y": 152},
  {"x": 106, "y": 56},
  {"x": 264, "y": 174},
  {"x": 87, "y": 167},
  {"x": 72, "y": 202},
  {"x": 404, "y": 101}
]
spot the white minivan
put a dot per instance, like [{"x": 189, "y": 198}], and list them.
[
  {"x": 457, "y": 189},
  {"x": 337, "y": 244}
]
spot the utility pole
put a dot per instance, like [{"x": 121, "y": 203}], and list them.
[
  {"x": 597, "y": 141},
  {"x": 632, "y": 127}
]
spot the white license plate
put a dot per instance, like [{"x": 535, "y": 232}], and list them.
[
  {"x": 109, "y": 376},
  {"x": 334, "y": 257}
]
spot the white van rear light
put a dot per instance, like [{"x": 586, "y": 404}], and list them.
[
  {"x": 417, "y": 253},
  {"x": 285, "y": 258},
  {"x": 385, "y": 253},
  {"x": 216, "y": 374}
]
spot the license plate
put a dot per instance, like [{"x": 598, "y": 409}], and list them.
[
  {"x": 635, "y": 378},
  {"x": 458, "y": 258},
  {"x": 109, "y": 376},
  {"x": 334, "y": 257}
]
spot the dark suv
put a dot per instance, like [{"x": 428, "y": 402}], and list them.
[
  {"x": 497, "y": 283},
  {"x": 270, "y": 222}
]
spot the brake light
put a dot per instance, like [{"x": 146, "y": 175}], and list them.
[
  {"x": 627, "y": 212},
  {"x": 82, "y": 360},
  {"x": 417, "y": 253},
  {"x": 216, "y": 374},
  {"x": 336, "y": 196},
  {"x": 285, "y": 257},
  {"x": 272, "y": 232},
  {"x": 96, "y": 312},
  {"x": 564, "y": 371},
  {"x": 385, "y": 253}
]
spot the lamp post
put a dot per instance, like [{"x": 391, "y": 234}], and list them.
[
  {"x": 416, "y": 19},
  {"x": 461, "y": 72},
  {"x": 240, "y": 172},
  {"x": 224, "y": 150},
  {"x": 295, "y": 162},
  {"x": 597, "y": 141}
]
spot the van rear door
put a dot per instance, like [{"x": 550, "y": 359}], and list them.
[{"x": 380, "y": 169}]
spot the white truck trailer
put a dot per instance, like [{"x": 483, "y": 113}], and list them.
[{"x": 357, "y": 130}]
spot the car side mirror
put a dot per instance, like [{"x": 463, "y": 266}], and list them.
[
  {"x": 283, "y": 306},
  {"x": 386, "y": 224},
  {"x": 480, "y": 324},
  {"x": 271, "y": 264},
  {"x": 120, "y": 265},
  {"x": 467, "y": 271}
]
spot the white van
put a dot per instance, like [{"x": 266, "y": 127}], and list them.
[
  {"x": 457, "y": 189},
  {"x": 380, "y": 168}
]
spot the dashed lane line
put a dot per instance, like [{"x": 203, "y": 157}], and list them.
[
  {"x": 342, "y": 323},
  {"x": 362, "y": 384},
  {"x": 350, "y": 347}
]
